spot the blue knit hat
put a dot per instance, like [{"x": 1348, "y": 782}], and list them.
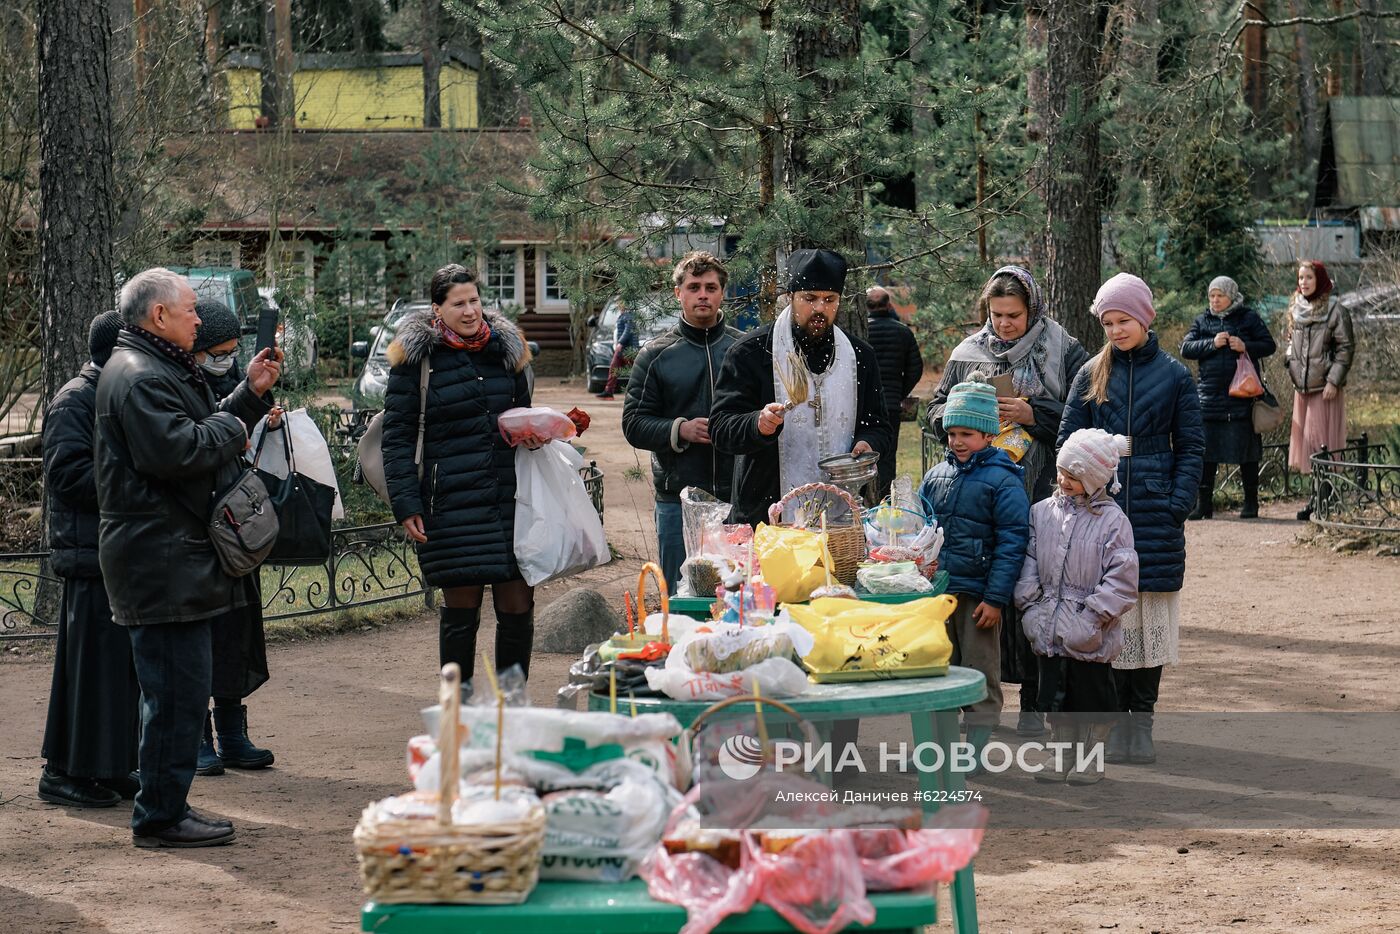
[{"x": 973, "y": 404}]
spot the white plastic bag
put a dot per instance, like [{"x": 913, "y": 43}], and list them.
[
  {"x": 776, "y": 677},
  {"x": 557, "y": 530},
  {"x": 309, "y": 448},
  {"x": 593, "y": 836}
]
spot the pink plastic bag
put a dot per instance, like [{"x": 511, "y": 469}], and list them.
[
  {"x": 814, "y": 883},
  {"x": 891, "y": 860},
  {"x": 706, "y": 888},
  {"x": 534, "y": 426},
  {"x": 1246, "y": 383}
]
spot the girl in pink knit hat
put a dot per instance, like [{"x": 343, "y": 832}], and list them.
[
  {"x": 1079, "y": 579},
  {"x": 1132, "y": 388}
]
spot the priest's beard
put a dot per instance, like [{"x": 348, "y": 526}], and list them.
[{"x": 817, "y": 341}]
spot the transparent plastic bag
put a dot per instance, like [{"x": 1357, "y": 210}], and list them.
[
  {"x": 708, "y": 889},
  {"x": 813, "y": 879},
  {"x": 891, "y": 860},
  {"x": 534, "y": 426}
]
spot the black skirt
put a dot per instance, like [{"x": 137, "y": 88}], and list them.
[
  {"x": 94, "y": 716},
  {"x": 240, "y": 653},
  {"x": 1232, "y": 442}
]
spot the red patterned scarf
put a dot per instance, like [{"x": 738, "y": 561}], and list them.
[{"x": 457, "y": 342}]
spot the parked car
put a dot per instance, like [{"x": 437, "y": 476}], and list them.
[
  {"x": 368, "y": 391},
  {"x": 654, "y": 316},
  {"x": 238, "y": 289}
]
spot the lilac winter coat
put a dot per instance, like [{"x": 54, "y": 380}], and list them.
[{"x": 1079, "y": 577}]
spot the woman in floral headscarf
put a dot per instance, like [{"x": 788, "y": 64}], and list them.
[{"x": 1018, "y": 337}]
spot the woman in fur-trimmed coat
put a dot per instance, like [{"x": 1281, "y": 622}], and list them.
[{"x": 461, "y": 513}]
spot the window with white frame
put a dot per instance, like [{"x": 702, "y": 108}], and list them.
[
  {"x": 218, "y": 253},
  {"x": 502, "y": 275},
  {"x": 552, "y": 290}
]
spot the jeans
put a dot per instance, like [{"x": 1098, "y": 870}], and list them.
[
  {"x": 670, "y": 540},
  {"x": 174, "y": 662}
]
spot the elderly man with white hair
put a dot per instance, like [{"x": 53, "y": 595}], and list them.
[{"x": 164, "y": 447}]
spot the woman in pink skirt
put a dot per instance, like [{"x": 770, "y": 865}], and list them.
[{"x": 1320, "y": 347}]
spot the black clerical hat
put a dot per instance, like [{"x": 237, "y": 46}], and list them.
[{"x": 816, "y": 270}]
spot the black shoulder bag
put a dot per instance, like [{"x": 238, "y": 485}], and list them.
[{"x": 303, "y": 508}]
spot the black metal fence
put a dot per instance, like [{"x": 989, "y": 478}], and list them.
[{"x": 370, "y": 563}]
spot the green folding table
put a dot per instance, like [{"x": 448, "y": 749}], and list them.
[
  {"x": 623, "y": 908},
  {"x": 932, "y": 705}
]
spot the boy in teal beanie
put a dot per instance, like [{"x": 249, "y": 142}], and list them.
[{"x": 977, "y": 495}]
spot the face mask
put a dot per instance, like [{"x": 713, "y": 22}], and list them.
[{"x": 218, "y": 364}]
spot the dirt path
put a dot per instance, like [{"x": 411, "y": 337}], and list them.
[{"x": 1269, "y": 625}]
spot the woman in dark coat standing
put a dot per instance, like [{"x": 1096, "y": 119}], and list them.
[
  {"x": 93, "y": 722},
  {"x": 1217, "y": 338},
  {"x": 458, "y": 504},
  {"x": 1133, "y": 388},
  {"x": 239, "y": 649}
]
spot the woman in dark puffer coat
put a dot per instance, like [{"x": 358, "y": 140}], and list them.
[
  {"x": 1217, "y": 339},
  {"x": 1132, "y": 388},
  {"x": 461, "y": 513}
]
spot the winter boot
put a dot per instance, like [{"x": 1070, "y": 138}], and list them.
[
  {"x": 515, "y": 636},
  {"x": 235, "y": 749},
  {"x": 209, "y": 762},
  {"x": 1249, "y": 478},
  {"x": 1116, "y": 747},
  {"x": 1092, "y": 735},
  {"x": 1049, "y": 774},
  {"x": 1030, "y": 723},
  {"x": 1140, "y": 748},
  {"x": 1205, "y": 504},
  {"x": 457, "y": 626},
  {"x": 977, "y": 737}
]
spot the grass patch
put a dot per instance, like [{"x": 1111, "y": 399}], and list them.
[{"x": 368, "y": 619}]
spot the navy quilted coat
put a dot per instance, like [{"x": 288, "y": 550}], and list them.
[
  {"x": 1217, "y": 364},
  {"x": 467, "y": 494},
  {"x": 1152, "y": 399},
  {"x": 985, "y": 514}
]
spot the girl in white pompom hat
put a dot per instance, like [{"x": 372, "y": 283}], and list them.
[{"x": 1079, "y": 577}]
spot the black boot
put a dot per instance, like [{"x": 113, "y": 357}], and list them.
[
  {"x": 457, "y": 626},
  {"x": 1140, "y": 748},
  {"x": 1205, "y": 494},
  {"x": 1116, "y": 747},
  {"x": 1249, "y": 478},
  {"x": 235, "y": 749},
  {"x": 208, "y": 762},
  {"x": 515, "y": 637}
]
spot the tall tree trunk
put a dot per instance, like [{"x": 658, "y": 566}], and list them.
[
  {"x": 271, "y": 95},
  {"x": 1373, "y": 52},
  {"x": 75, "y": 181},
  {"x": 284, "y": 62},
  {"x": 1255, "y": 81},
  {"x": 1038, "y": 97},
  {"x": 75, "y": 191},
  {"x": 819, "y": 178},
  {"x": 1074, "y": 238},
  {"x": 1307, "y": 98},
  {"x": 432, "y": 63},
  {"x": 127, "y": 189}
]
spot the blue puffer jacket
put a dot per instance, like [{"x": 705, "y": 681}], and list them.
[
  {"x": 1153, "y": 400},
  {"x": 985, "y": 514}
]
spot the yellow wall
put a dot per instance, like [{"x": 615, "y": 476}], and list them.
[{"x": 359, "y": 98}]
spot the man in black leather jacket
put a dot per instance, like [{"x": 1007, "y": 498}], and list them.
[
  {"x": 668, "y": 402},
  {"x": 164, "y": 446}
]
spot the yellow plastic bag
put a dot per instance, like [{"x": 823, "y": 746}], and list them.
[
  {"x": 1014, "y": 440},
  {"x": 794, "y": 561},
  {"x": 861, "y": 641}
]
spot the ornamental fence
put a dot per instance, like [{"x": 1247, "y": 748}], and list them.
[{"x": 371, "y": 563}]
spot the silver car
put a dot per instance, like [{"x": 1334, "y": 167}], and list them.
[{"x": 368, "y": 391}]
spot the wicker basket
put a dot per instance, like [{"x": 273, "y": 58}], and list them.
[
  {"x": 845, "y": 541},
  {"x": 438, "y": 862}
]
